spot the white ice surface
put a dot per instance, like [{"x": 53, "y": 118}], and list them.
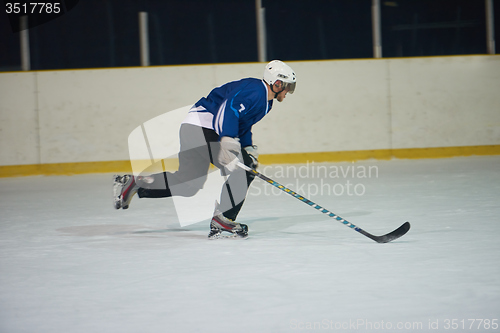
[{"x": 69, "y": 262}]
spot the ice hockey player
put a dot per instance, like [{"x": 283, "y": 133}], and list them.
[{"x": 216, "y": 130}]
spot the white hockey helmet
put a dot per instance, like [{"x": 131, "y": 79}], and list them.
[{"x": 278, "y": 70}]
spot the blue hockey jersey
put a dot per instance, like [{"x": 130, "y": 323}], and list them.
[{"x": 232, "y": 109}]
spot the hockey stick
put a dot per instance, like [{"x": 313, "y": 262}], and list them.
[{"x": 403, "y": 229}]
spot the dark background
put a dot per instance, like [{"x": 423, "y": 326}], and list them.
[{"x": 105, "y": 33}]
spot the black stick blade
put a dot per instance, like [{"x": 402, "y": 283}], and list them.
[{"x": 403, "y": 229}]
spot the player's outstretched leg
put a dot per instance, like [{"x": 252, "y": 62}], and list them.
[
  {"x": 221, "y": 223},
  {"x": 124, "y": 188}
]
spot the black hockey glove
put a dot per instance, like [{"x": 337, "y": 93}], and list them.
[{"x": 254, "y": 155}]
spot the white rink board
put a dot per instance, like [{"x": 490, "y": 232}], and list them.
[
  {"x": 337, "y": 105},
  {"x": 19, "y": 142},
  {"x": 444, "y": 102},
  {"x": 345, "y": 105},
  {"x": 88, "y": 115}
]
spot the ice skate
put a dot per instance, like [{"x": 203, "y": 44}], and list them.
[
  {"x": 221, "y": 223},
  {"x": 124, "y": 188}
]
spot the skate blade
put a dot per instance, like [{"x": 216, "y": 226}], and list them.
[{"x": 231, "y": 236}]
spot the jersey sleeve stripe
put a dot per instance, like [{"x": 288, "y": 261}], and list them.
[{"x": 219, "y": 120}]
